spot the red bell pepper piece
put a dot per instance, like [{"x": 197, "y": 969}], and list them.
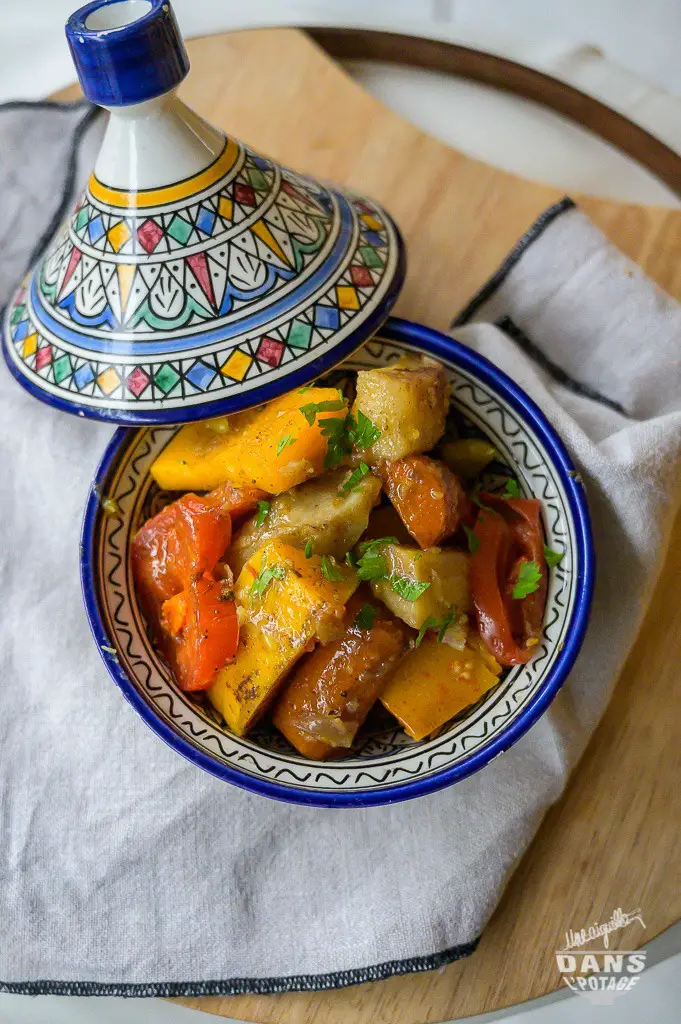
[
  {"x": 510, "y": 534},
  {"x": 190, "y": 610}
]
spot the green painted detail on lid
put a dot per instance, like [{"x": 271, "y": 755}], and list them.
[
  {"x": 166, "y": 378},
  {"x": 61, "y": 368},
  {"x": 17, "y": 315},
  {"x": 300, "y": 334},
  {"x": 179, "y": 229},
  {"x": 257, "y": 179},
  {"x": 370, "y": 256},
  {"x": 81, "y": 219}
]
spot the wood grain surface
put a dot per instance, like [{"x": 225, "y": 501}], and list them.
[{"x": 612, "y": 841}]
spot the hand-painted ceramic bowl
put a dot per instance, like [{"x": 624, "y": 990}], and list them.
[{"x": 385, "y": 765}]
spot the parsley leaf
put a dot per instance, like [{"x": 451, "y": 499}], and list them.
[
  {"x": 428, "y": 623},
  {"x": 371, "y": 545},
  {"x": 263, "y": 512},
  {"x": 334, "y": 429},
  {"x": 440, "y": 625},
  {"x": 512, "y": 489},
  {"x": 265, "y": 577},
  {"x": 284, "y": 442},
  {"x": 472, "y": 538},
  {"x": 365, "y": 617},
  {"x": 362, "y": 432},
  {"x": 475, "y": 498},
  {"x": 407, "y": 588},
  {"x": 308, "y": 387},
  {"x": 353, "y": 481},
  {"x": 372, "y": 566},
  {"x": 308, "y": 549},
  {"x": 330, "y": 570},
  {"x": 350, "y": 559},
  {"x": 528, "y": 580},
  {"x": 552, "y": 557},
  {"x": 310, "y": 411}
]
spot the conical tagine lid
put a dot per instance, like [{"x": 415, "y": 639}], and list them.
[{"x": 194, "y": 277}]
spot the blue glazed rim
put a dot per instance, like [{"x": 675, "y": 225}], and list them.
[
  {"x": 236, "y": 402},
  {"x": 441, "y": 346}
]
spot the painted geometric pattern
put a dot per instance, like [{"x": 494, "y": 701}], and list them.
[
  {"x": 178, "y": 379},
  {"x": 116, "y": 279},
  {"x": 198, "y": 263}
]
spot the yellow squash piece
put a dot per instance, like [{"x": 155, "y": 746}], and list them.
[
  {"x": 292, "y": 605},
  {"x": 273, "y": 447},
  {"x": 434, "y": 682}
]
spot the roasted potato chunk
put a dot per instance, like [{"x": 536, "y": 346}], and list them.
[
  {"x": 286, "y": 602},
  {"x": 334, "y": 688},
  {"x": 434, "y": 682},
  {"x": 408, "y": 402},
  {"x": 445, "y": 571},
  {"x": 428, "y": 497},
  {"x": 315, "y": 511}
]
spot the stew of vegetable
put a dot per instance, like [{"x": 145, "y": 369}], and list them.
[{"x": 345, "y": 554}]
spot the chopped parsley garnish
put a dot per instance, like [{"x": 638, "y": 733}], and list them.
[
  {"x": 310, "y": 411},
  {"x": 263, "y": 512},
  {"x": 308, "y": 549},
  {"x": 284, "y": 442},
  {"x": 407, "y": 588},
  {"x": 372, "y": 566},
  {"x": 308, "y": 387},
  {"x": 475, "y": 498},
  {"x": 354, "y": 480},
  {"x": 512, "y": 489},
  {"x": 351, "y": 559},
  {"x": 472, "y": 538},
  {"x": 528, "y": 580},
  {"x": 552, "y": 557},
  {"x": 333, "y": 428},
  {"x": 362, "y": 432},
  {"x": 370, "y": 545},
  {"x": 330, "y": 570},
  {"x": 365, "y": 617},
  {"x": 265, "y": 577},
  {"x": 441, "y": 625}
]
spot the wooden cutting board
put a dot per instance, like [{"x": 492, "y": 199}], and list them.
[{"x": 613, "y": 839}]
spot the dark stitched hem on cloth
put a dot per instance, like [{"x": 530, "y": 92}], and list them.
[
  {"x": 531, "y": 235},
  {"x": 245, "y": 986},
  {"x": 511, "y": 329},
  {"x": 534, "y": 352}
]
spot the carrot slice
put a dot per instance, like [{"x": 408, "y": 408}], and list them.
[{"x": 428, "y": 497}]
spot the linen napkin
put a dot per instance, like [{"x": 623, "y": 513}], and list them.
[{"x": 125, "y": 870}]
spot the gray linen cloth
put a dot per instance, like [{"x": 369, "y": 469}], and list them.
[{"x": 126, "y": 870}]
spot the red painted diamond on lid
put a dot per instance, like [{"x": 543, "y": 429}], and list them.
[
  {"x": 137, "y": 381},
  {"x": 361, "y": 277},
  {"x": 149, "y": 235},
  {"x": 244, "y": 194},
  {"x": 270, "y": 351},
  {"x": 43, "y": 356}
]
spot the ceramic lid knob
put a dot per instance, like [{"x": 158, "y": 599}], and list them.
[{"x": 126, "y": 51}]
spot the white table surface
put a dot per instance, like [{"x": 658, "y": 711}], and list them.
[{"x": 623, "y": 51}]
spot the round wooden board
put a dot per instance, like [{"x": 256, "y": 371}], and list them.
[{"x": 612, "y": 840}]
